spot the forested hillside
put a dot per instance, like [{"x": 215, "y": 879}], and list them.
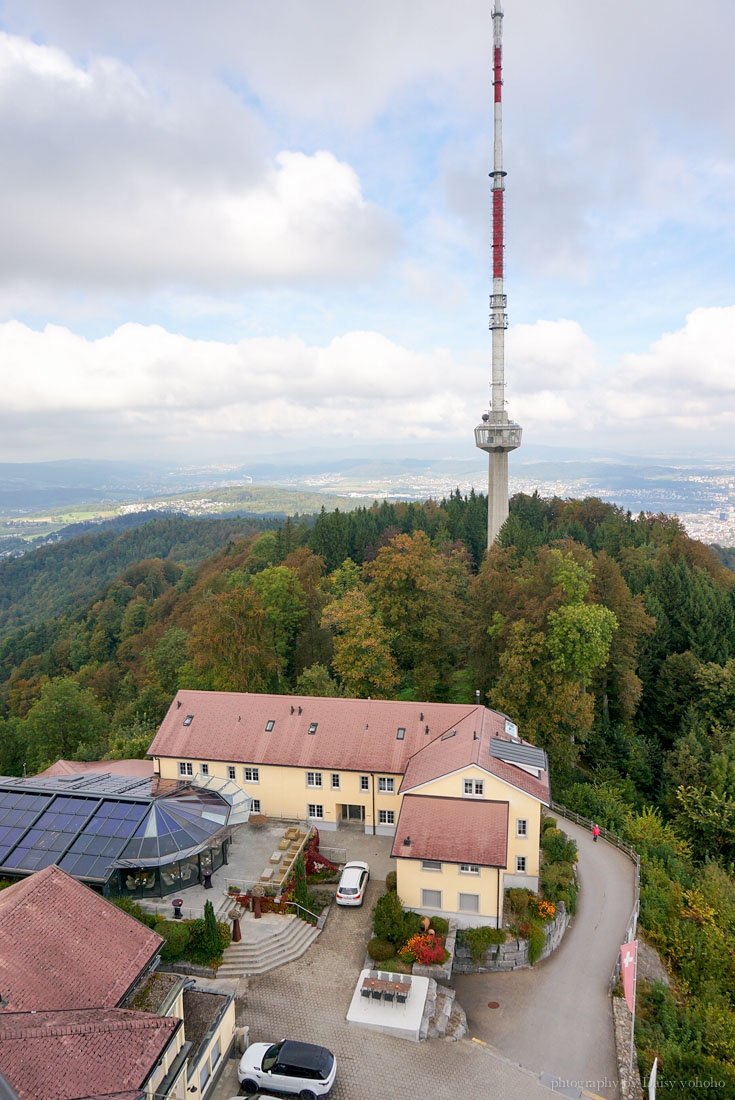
[
  {"x": 67, "y": 575},
  {"x": 609, "y": 638}
]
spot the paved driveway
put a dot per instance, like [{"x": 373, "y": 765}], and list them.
[
  {"x": 557, "y": 1018},
  {"x": 308, "y": 999}
]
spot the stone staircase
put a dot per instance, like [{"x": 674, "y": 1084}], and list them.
[
  {"x": 444, "y": 1017},
  {"x": 266, "y": 944}
]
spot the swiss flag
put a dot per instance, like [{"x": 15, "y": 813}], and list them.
[{"x": 628, "y": 953}]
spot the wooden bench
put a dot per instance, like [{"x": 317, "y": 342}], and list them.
[
  {"x": 276, "y": 857},
  {"x": 284, "y": 844},
  {"x": 291, "y": 833},
  {"x": 267, "y": 875}
]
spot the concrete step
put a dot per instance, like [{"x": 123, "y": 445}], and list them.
[{"x": 287, "y": 942}]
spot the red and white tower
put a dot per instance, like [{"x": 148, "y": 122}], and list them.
[{"x": 497, "y": 434}]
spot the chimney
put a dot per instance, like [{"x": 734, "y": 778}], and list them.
[
  {"x": 426, "y": 730},
  {"x": 407, "y": 842},
  {"x": 477, "y": 697},
  {"x": 299, "y": 710},
  {"x": 292, "y": 710},
  {"x": 178, "y": 703},
  {"x": 421, "y": 716}
]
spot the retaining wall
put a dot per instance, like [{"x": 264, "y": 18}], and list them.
[{"x": 513, "y": 954}]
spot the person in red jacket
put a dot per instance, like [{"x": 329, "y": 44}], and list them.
[{"x": 595, "y": 832}]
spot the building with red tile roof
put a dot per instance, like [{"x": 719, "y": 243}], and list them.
[
  {"x": 83, "y": 950},
  {"x": 104, "y": 767},
  {"x": 75, "y": 973},
  {"x": 83, "y": 1052},
  {"x": 335, "y": 760}
]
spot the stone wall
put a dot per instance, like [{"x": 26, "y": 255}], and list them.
[
  {"x": 630, "y": 1085},
  {"x": 513, "y": 954}
]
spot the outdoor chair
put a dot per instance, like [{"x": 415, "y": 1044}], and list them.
[
  {"x": 389, "y": 996},
  {"x": 365, "y": 993},
  {"x": 375, "y": 994},
  {"x": 401, "y": 998}
]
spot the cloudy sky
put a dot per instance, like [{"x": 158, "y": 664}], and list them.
[{"x": 242, "y": 227}]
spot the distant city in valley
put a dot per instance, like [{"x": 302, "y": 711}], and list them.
[{"x": 39, "y": 499}]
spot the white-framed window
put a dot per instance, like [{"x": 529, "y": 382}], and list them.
[
  {"x": 521, "y": 826},
  {"x": 400, "y": 733},
  {"x": 386, "y": 785},
  {"x": 520, "y": 864},
  {"x": 204, "y": 769},
  {"x": 430, "y": 865},
  {"x": 216, "y": 1053},
  {"x": 469, "y": 869},
  {"x": 474, "y": 787},
  {"x": 364, "y": 782},
  {"x": 431, "y": 899},
  {"x": 251, "y": 775},
  {"x": 469, "y": 903},
  {"x": 203, "y": 1075},
  {"x": 386, "y": 817},
  {"x": 231, "y": 773},
  {"x": 255, "y": 808},
  {"x": 315, "y": 810},
  {"x": 185, "y": 769},
  {"x": 335, "y": 781},
  {"x": 269, "y": 725},
  {"x": 313, "y": 779}
]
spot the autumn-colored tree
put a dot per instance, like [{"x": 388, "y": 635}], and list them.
[
  {"x": 231, "y": 643},
  {"x": 362, "y": 654},
  {"x": 421, "y": 594}
]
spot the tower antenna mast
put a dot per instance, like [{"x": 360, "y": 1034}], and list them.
[{"x": 497, "y": 434}]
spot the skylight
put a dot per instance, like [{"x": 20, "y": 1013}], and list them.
[
  {"x": 269, "y": 725},
  {"x": 447, "y": 735},
  {"x": 189, "y": 719},
  {"x": 401, "y": 733},
  {"x": 312, "y": 727}
]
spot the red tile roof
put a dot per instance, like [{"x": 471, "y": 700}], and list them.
[
  {"x": 470, "y": 744},
  {"x": 453, "y": 830},
  {"x": 114, "y": 767},
  {"x": 64, "y": 1055},
  {"x": 351, "y": 735},
  {"x": 64, "y": 946}
]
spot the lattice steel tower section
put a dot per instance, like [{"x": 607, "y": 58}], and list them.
[{"x": 497, "y": 434}]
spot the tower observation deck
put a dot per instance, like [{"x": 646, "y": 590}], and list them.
[{"x": 497, "y": 434}]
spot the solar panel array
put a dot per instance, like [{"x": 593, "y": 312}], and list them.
[
  {"x": 514, "y": 752},
  {"x": 86, "y": 833}
]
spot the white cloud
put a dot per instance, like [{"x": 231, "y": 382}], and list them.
[{"x": 108, "y": 181}]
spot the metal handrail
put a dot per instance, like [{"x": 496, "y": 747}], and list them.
[
  {"x": 632, "y": 855},
  {"x": 303, "y": 909}
]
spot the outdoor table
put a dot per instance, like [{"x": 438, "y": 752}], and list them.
[{"x": 386, "y": 985}]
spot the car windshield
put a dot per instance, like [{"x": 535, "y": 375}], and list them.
[{"x": 271, "y": 1057}]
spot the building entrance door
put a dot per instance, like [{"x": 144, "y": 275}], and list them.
[{"x": 353, "y": 815}]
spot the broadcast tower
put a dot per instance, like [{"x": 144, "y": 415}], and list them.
[{"x": 497, "y": 434}]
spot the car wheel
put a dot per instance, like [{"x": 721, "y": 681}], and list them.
[
  {"x": 307, "y": 1094},
  {"x": 249, "y": 1087}
]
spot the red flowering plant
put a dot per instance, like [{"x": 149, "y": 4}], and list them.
[{"x": 424, "y": 949}]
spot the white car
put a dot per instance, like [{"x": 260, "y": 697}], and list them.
[
  {"x": 303, "y": 1069},
  {"x": 353, "y": 883}
]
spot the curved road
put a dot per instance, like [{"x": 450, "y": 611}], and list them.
[{"x": 556, "y": 1018}]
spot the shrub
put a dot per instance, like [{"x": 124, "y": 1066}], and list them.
[
  {"x": 411, "y": 924},
  {"x": 201, "y": 948},
  {"x": 380, "y": 950},
  {"x": 133, "y": 910},
  {"x": 424, "y": 949},
  {"x": 480, "y": 939},
  {"x": 536, "y": 941},
  {"x": 176, "y": 938},
  {"x": 440, "y": 925},
  {"x": 548, "y": 823},
  {"x": 557, "y": 847},
  {"x": 388, "y": 918},
  {"x": 518, "y": 903},
  {"x": 391, "y": 881}
]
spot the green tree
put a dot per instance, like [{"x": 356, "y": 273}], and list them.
[
  {"x": 65, "y": 723},
  {"x": 231, "y": 643},
  {"x": 315, "y": 680}
]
